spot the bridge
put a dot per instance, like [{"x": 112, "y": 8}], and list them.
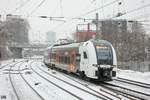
[
  {"x": 25, "y": 45},
  {"x": 18, "y": 48}
]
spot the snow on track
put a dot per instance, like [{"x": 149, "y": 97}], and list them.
[
  {"x": 46, "y": 89},
  {"x": 94, "y": 87},
  {"x": 23, "y": 91},
  {"x": 73, "y": 87},
  {"x": 50, "y": 84},
  {"x": 6, "y": 91},
  {"x": 81, "y": 83}
]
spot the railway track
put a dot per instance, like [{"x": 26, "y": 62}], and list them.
[
  {"x": 84, "y": 83},
  {"x": 103, "y": 92},
  {"x": 110, "y": 94},
  {"x": 3, "y": 66},
  {"x": 116, "y": 97},
  {"x": 57, "y": 85},
  {"x": 133, "y": 88},
  {"x": 140, "y": 84},
  {"x": 28, "y": 78},
  {"x": 103, "y": 88},
  {"x": 126, "y": 91},
  {"x": 11, "y": 63},
  {"x": 20, "y": 92},
  {"x": 11, "y": 81},
  {"x": 82, "y": 90},
  {"x": 30, "y": 85}
]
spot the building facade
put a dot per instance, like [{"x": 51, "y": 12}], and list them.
[
  {"x": 50, "y": 37},
  {"x": 84, "y": 32}
]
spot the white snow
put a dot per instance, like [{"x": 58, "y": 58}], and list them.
[
  {"x": 5, "y": 62},
  {"x": 48, "y": 90},
  {"x": 134, "y": 75}
]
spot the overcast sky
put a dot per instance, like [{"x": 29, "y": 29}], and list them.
[{"x": 30, "y": 9}]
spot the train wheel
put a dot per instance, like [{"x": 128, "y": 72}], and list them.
[{"x": 82, "y": 75}]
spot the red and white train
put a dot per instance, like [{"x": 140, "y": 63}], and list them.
[{"x": 95, "y": 59}]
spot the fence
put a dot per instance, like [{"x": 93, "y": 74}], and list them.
[{"x": 134, "y": 65}]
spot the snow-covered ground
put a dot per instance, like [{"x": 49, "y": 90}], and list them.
[
  {"x": 5, "y": 86},
  {"x": 133, "y": 75},
  {"x": 47, "y": 90},
  {"x": 2, "y": 63}
]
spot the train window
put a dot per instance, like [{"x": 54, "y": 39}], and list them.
[
  {"x": 54, "y": 56},
  {"x": 104, "y": 54},
  {"x": 60, "y": 59},
  {"x": 68, "y": 60},
  {"x": 78, "y": 57},
  {"x": 65, "y": 60},
  {"x": 86, "y": 44},
  {"x": 85, "y": 55},
  {"x": 0, "y": 54}
]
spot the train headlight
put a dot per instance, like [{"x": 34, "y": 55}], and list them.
[
  {"x": 95, "y": 65},
  {"x": 113, "y": 73}
]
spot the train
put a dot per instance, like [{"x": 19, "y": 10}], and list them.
[{"x": 95, "y": 59}]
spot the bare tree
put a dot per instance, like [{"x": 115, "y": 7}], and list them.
[
  {"x": 18, "y": 28},
  {"x": 13, "y": 30},
  {"x": 129, "y": 45},
  {"x": 132, "y": 44}
]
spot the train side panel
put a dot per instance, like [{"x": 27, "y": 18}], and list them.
[
  {"x": 66, "y": 57},
  {"x": 94, "y": 59},
  {"x": 88, "y": 57}
]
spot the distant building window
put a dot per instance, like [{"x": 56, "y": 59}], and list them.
[
  {"x": 119, "y": 24},
  {"x": 85, "y": 55},
  {"x": 0, "y": 54}
]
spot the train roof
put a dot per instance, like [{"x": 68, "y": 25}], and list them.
[
  {"x": 71, "y": 45},
  {"x": 97, "y": 41},
  {"x": 49, "y": 47},
  {"x": 76, "y": 45}
]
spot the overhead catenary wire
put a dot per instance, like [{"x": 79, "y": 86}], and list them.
[
  {"x": 7, "y": 7},
  {"x": 102, "y": 7},
  {"x": 34, "y": 10},
  {"x": 20, "y": 7},
  {"x": 70, "y": 19},
  {"x": 77, "y": 17},
  {"x": 53, "y": 17},
  {"x": 61, "y": 8},
  {"x": 55, "y": 9},
  {"x": 126, "y": 12},
  {"x": 91, "y": 11},
  {"x": 133, "y": 10},
  {"x": 102, "y": 2},
  {"x": 147, "y": 15}
]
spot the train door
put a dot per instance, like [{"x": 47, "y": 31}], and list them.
[
  {"x": 84, "y": 61},
  {"x": 78, "y": 59}
]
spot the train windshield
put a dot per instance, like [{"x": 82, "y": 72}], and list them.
[{"x": 104, "y": 54}]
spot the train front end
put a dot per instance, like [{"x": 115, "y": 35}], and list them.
[
  {"x": 98, "y": 60},
  {"x": 106, "y": 61}
]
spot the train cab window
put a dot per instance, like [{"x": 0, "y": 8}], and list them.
[{"x": 85, "y": 55}]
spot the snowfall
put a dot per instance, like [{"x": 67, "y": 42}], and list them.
[{"x": 48, "y": 91}]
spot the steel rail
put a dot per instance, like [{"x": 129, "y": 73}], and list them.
[{"x": 68, "y": 84}]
